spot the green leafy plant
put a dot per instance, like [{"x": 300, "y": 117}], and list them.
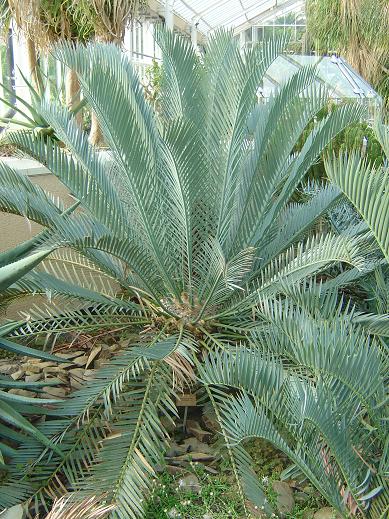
[
  {"x": 366, "y": 187},
  {"x": 187, "y": 235},
  {"x": 215, "y": 498},
  {"x": 153, "y": 81},
  {"x": 13, "y": 407},
  {"x": 350, "y": 139}
]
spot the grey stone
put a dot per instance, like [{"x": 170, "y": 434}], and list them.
[
  {"x": 194, "y": 428},
  {"x": 75, "y": 384},
  {"x": 190, "y": 483},
  {"x": 69, "y": 354},
  {"x": 67, "y": 365},
  {"x": 76, "y": 378},
  {"x": 327, "y": 513},
  {"x": 31, "y": 361},
  {"x": 82, "y": 360},
  {"x": 34, "y": 368},
  {"x": 47, "y": 364},
  {"x": 33, "y": 378},
  {"x": 18, "y": 374},
  {"x": 22, "y": 392},
  {"x": 175, "y": 450},
  {"x": 285, "y": 499},
  {"x": 174, "y": 513},
  {"x": 61, "y": 377},
  {"x": 58, "y": 392},
  {"x": 196, "y": 456},
  {"x": 53, "y": 369},
  {"x": 77, "y": 372},
  {"x": 6, "y": 368},
  {"x": 89, "y": 374},
  {"x": 301, "y": 497},
  {"x": 210, "y": 470},
  {"x": 194, "y": 445},
  {"x": 173, "y": 470},
  {"x": 15, "y": 512}
]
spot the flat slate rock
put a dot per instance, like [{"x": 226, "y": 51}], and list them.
[
  {"x": 189, "y": 483},
  {"x": 285, "y": 499},
  {"x": 195, "y": 456},
  {"x": 327, "y": 513},
  {"x": 15, "y": 512},
  {"x": 194, "y": 445}
]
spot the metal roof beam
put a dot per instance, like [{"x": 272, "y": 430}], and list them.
[
  {"x": 211, "y": 7},
  {"x": 242, "y": 13},
  {"x": 271, "y": 12},
  {"x": 196, "y": 15},
  {"x": 157, "y": 8}
]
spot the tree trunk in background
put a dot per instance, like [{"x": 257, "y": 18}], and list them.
[
  {"x": 32, "y": 60},
  {"x": 95, "y": 135},
  {"x": 72, "y": 93}
]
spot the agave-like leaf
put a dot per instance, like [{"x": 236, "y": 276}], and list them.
[
  {"x": 14, "y": 271},
  {"x": 9, "y": 415}
]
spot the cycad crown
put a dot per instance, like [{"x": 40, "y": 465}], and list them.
[{"x": 189, "y": 234}]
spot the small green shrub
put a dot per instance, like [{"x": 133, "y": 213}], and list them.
[{"x": 217, "y": 499}]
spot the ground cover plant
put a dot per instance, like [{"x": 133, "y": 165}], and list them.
[{"x": 187, "y": 234}]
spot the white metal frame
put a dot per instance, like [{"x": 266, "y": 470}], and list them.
[{"x": 208, "y": 16}]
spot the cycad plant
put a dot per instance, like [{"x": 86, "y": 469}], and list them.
[{"x": 187, "y": 239}]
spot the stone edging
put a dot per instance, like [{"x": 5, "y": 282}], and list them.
[{"x": 26, "y": 166}]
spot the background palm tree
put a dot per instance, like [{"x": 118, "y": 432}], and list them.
[
  {"x": 110, "y": 20},
  {"x": 43, "y": 23},
  {"x": 46, "y": 22}
]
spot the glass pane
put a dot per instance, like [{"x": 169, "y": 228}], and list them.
[
  {"x": 281, "y": 70},
  {"x": 305, "y": 60},
  {"x": 268, "y": 32},
  {"x": 331, "y": 74},
  {"x": 279, "y": 31},
  {"x": 267, "y": 87}
]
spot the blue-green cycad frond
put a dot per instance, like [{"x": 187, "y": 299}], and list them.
[{"x": 318, "y": 426}]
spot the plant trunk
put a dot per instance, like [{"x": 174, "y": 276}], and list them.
[
  {"x": 32, "y": 60},
  {"x": 96, "y": 135},
  {"x": 72, "y": 93}
]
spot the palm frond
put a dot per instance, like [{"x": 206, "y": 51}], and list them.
[
  {"x": 79, "y": 427},
  {"x": 366, "y": 188},
  {"x": 317, "y": 441}
]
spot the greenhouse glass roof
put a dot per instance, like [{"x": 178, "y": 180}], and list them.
[
  {"x": 333, "y": 72},
  {"x": 209, "y": 15}
]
